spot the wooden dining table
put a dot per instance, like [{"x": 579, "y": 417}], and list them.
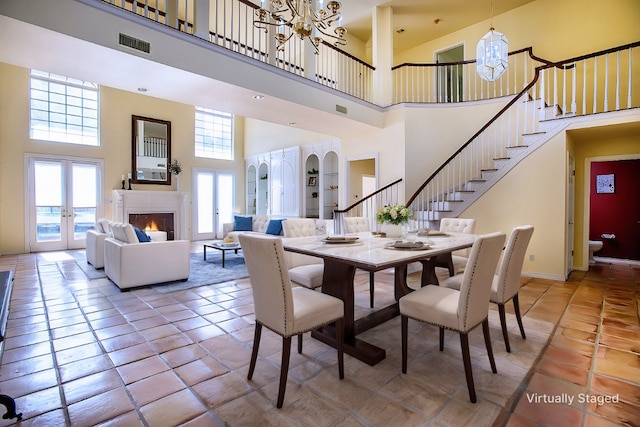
[{"x": 370, "y": 253}]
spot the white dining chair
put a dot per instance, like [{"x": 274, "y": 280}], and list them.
[
  {"x": 506, "y": 282},
  {"x": 304, "y": 270},
  {"x": 455, "y": 261},
  {"x": 458, "y": 310},
  {"x": 360, "y": 224},
  {"x": 282, "y": 308}
]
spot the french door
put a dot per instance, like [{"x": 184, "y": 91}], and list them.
[
  {"x": 213, "y": 202},
  {"x": 64, "y": 201}
]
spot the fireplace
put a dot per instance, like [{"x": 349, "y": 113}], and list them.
[
  {"x": 154, "y": 222},
  {"x": 168, "y": 209}
]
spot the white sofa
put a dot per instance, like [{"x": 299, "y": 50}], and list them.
[
  {"x": 260, "y": 223},
  {"x": 95, "y": 242},
  {"x": 130, "y": 263}
]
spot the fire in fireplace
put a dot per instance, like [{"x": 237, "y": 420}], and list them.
[{"x": 154, "y": 222}]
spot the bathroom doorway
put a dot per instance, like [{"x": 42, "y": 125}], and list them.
[{"x": 614, "y": 207}]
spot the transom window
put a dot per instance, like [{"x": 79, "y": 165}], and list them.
[
  {"x": 214, "y": 134},
  {"x": 63, "y": 109}
]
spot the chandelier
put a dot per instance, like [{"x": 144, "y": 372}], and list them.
[
  {"x": 305, "y": 18},
  {"x": 492, "y": 53}
]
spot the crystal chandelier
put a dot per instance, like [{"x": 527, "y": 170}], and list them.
[
  {"x": 304, "y": 18},
  {"x": 492, "y": 53}
]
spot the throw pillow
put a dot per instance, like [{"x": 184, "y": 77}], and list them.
[
  {"x": 124, "y": 232},
  {"x": 275, "y": 227},
  {"x": 142, "y": 236},
  {"x": 242, "y": 223}
]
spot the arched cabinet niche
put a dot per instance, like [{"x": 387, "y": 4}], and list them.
[
  {"x": 311, "y": 186},
  {"x": 252, "y": 189},
  {"x": 329, "y": 184},
  {"x": 262, "y": 207}
]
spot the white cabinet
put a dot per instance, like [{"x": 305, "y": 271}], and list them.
[
  {"x": 276, "y": 186},
  {"x": 285, "y": 188},
  {"x": 321, "y": 188}
]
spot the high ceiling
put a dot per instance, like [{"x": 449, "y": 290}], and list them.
[
  {"x": 422, "y": 20},
  {"x": 33, "y": 47}
]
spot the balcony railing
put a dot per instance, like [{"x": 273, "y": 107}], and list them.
[{"x": 230, "y": 25}]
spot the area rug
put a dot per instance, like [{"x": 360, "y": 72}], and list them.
[{"x": 208, "y": 272}]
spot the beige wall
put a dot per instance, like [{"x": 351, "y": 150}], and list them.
[
  {"x": 556, "y": 29},
  {"x": 116, "y": 108},
  {"x": 261, "y": 136}
]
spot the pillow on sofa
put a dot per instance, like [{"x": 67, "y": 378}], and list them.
[
  {"x": 242, "y": 223},
  {"x": 141, "y": 235},
  {"x": 124, "y": 232},
  {"x": 275, "y": 227}
]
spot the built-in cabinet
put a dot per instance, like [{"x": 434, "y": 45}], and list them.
[
  {"x": 277, "y": 178},
  {"x": 321, "y": 165},
  {"x": 299, "y": 181}
]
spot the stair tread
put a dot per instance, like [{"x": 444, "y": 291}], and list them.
[{"x": 517, "y": 146}]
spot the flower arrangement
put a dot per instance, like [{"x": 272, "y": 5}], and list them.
[
  {"x": 174, "y": 167},
  {"x": 394, "y": 214}
]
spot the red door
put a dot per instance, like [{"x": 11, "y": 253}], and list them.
[{"x": 615, "y": 208}]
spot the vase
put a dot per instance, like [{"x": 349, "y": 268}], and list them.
[
  {"x": 177, "y": 182},
  {"x": 393, "y": 231}
]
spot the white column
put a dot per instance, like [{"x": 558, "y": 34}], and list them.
[
  {"x": 382, "y": 55},
  {"x": 201, "y": 19}
]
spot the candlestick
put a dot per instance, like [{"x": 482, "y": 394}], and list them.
[
  {"x": 129, "y": 181},
  {"x": 129, "y": 175},
  {"x": 123, "y": 182}
]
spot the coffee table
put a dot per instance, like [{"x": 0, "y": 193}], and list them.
[{"x": 222, "y": 247}]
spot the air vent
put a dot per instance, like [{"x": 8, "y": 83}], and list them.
[
  {"x": 134, "y": 43},
  {"x": 341, "y": 109}
]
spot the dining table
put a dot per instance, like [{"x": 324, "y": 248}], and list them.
[{"x": 342, "y": 255}]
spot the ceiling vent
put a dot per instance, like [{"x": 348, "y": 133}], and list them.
[
  {"x": 134, "y": 43},
  {"x": 341, "y": 109}
]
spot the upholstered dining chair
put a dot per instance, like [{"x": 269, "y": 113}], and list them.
[
  {"x": 458, "y": 310},
  {"x": 506, "y": 282},
  {"x": 304, "y": 270},
  {"x": 360, "y": 224},
  {"x": 282, "y": 308},
  {"x": 456, "y": 261}
]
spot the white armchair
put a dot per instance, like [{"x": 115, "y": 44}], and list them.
[
  {"x": 95, "y": 242},
  {"x": 129, "y": 263}
]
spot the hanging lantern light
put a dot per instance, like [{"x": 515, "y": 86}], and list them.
[{"x": 492, "y": 53}]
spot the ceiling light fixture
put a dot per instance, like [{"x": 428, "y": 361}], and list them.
[
  {"x": 492, "y": 53},
  {"x": 305, "y": 18},
  {"x": 142, "y": 89},
  {"x": 258, "y": 97}
]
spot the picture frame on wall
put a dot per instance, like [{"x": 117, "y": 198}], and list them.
[
  {"x": 605, "y": 184},
  {"x": 313, "y": 181}
]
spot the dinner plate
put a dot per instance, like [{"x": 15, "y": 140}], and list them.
[
  {"x": 432, "y": 233},
  {"x": 408, "y": 246},
  {"x": 340, "y": 239}
]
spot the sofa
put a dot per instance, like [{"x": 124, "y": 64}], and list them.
[
  {"x": 130, "y": 263},
  {"x": 264, "y": 224},
  {"x": 95, "y": 242}
]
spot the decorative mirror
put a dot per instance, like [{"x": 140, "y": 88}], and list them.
[{"x": 151, "y": 150}]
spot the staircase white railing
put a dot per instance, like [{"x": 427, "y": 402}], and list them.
[
  {"x": 564, "y": 89},
  {"x": 459, "y": 81}
]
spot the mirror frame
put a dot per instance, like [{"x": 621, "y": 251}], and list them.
[{"x": 135, "y": 126}]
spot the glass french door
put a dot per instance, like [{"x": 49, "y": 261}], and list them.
[
  {"x": 214, "y": 199},
  {"x": 64, "y": 202}
]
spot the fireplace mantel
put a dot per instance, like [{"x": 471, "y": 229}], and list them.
[{"x": 127, "y": 202}]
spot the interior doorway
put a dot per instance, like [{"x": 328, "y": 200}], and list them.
[
  {"x": 614, "y": 208},
  {"x": 450, "y": 78}
]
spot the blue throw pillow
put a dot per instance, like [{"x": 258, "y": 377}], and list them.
[
  {"x": 242, "y": 223},
  {"x": 142, "y": 236},
  {"x": 274, "y": 227}
]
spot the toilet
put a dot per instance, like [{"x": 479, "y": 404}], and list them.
[{"x": 594, "y": 246}]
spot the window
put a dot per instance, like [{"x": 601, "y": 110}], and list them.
[
  {"x": 63, "y": 109},
  {"x": 214, "y": 134}
]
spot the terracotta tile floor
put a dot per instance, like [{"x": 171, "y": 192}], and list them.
[{"x": 80, "y": 352}]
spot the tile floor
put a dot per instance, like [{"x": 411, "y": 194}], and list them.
[{"x": 80, "y": 352}]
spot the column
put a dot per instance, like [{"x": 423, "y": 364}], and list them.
[{"x": 382, "y": 55}]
